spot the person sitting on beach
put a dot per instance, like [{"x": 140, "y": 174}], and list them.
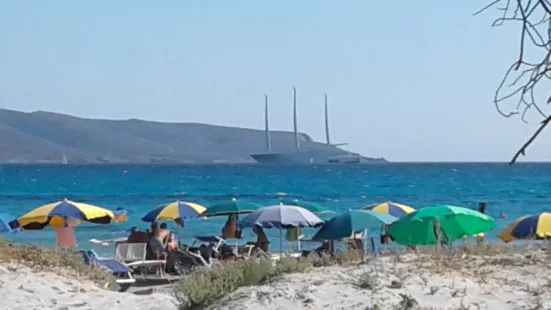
[
  {"x": 154, "y": 225},
  {"x": 156, "y": 243},
  {"x": 133, "y": 232},
  {"x": 324, "y": 248},
  {"x": 262, "y": 241},
  {"x": 354, "y": 244},
  {"x": 137, "y": 236},
  {"x": 163, "y": 230},
  {"x": 172, "y": 242}
]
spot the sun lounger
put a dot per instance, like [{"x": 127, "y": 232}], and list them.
[
  {"x": 219, "y": 245},
  {"x": 133, "y": 255},
  {"x": 356, "y": 241},
  {"x": 122, "y": 273},
  {"x": 195, "y": 257},
  {"x": 216, "y": 241}
]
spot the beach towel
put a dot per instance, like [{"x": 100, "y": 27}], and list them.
[
  {"x": 65, "y": 237},
  {"x": 293, "y": 234}
]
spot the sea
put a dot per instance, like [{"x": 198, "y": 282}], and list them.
[{"x": 515, "y": 190}]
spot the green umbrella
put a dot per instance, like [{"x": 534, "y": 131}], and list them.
[
  {"x": 232, "y": 207},
  {"x": 310, "y": 206},
  {"x": 351, "y": 221},
  {"x": 455, "y": 222}
]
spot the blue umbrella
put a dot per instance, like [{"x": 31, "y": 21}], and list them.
[
  {"x": 351, "y": 221},
  {"x": 281, "y": 216},
  {"x": 5, "y": 227}
]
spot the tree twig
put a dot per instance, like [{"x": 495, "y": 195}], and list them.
[
  {"x": 522, "y": 150},
  {"x": 526, "y": 75}
]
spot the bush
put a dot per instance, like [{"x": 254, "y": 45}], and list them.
[
  {"x": 53, "y": 260},
  {"x": 207, "y": 285},
  {"x": 367, "y": 281}
]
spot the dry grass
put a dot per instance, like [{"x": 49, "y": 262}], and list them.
[
  {"x": 476, "y": 260},
  {"x": 367, "y": 281},
  {"x": 48, "y": 259},
  {"x": 204, "y": 287}
]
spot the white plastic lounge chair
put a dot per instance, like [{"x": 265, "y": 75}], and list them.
[
  {"x": 361, "y": 235},
  {"x": 196, "y": 257},
  {"x": 122, "y": 273},
  {"x": 216, "y": 241},
  {"x": 358, "y": 235},
  {"x": 133, "y": 255},
  {"x": 243, "y": 251}
]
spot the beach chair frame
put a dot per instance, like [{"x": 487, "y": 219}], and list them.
[
  {"x": 133, "y": 255},
  {"x": 124, "y": 279}
]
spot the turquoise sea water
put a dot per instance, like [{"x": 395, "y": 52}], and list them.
[{"x": 515, "y": 190}]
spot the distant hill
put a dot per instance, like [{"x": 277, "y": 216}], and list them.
[{"x": 45, "y": 137}]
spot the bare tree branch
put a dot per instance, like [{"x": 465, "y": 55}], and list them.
[
  {"x": 532, "y": 138},
  {"x": 532, "y": 68}
]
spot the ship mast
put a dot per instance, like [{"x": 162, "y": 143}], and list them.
[
  {"x": 327, "y": 123},
  {"x": 297, "y": 143},
  {"x": 268, "y": 142}
]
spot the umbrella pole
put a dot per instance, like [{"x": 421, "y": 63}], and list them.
[
  {"x": 299, "y": 232},
  {"x": 178, "y": 234},
  {"x": 386, "y": 237},
  {"x": 437, "y": 233},
  {"x": 280, "y": 243}
]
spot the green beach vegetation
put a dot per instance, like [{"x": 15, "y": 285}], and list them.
[{"x": 208, "y": 285}]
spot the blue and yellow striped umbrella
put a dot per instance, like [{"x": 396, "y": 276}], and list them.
[
  {"x": 528, "y": 227},
  {"x": 120, "y": 214},
  {"x": 57, "y": 213},
  {"x": 174, "y": 211},
  {"x": 391, "y": 208}
]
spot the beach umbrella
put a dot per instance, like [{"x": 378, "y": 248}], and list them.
[
  {"x": 310, "y": 206},
  {"x": 392, "y": 208},
  {"x": 231, "y": 207},
  {"x": 528, "y": 227},
  {"x": 5, "y": 220},
  {"x": 120, "y": 214},
  {"x": 455, "y": 222},
  {"x": 64, "y": 212},
  {"x": 351, "y": 221},
  {"x": 175, "y": 211},
  {"x": 281, "y": 216}
]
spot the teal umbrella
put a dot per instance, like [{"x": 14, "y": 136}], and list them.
[
  {"x": 231, "y": 207},
  {"x": 455, "y": 222},
  {"x": 351, "y": 221},
  {"x": 310, "y": 206}
]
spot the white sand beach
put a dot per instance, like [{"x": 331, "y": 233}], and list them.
[
  {"x": 492, "y": 283},
  {"x": 23, "y": 288},
  {"x": 505, "y": 281}
]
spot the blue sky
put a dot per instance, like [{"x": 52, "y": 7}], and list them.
[{"x": 407, "y": 80}]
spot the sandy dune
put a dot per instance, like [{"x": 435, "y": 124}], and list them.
[
  {"x": 505, "y": 281},
  {"x": 25, "y": 289},
  {"x": 476, "y": 283}
]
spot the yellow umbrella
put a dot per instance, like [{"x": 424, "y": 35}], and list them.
[
  {"x": 391, "y": 208},
  {"x": 59, "y": 213},
  {"x": 536, "y": 226},
  {"x": 176, "y": 211}
]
